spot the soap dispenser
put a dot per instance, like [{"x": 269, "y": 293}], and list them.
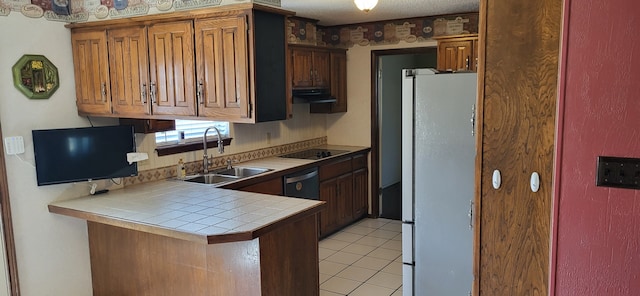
[{"x": 181, "y": 170}]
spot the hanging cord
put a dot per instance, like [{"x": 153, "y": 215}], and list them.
[{"x": 89, "y": 118}]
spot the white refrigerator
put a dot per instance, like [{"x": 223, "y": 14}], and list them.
[{"x": 438, "y": 163}]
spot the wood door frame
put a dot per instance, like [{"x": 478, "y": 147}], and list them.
[
  {"x": 7, "y": 225},
  {"x": 375, "y": 122}
]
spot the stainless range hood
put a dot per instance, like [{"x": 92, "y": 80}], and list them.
[{"x": 312, "y": 96}]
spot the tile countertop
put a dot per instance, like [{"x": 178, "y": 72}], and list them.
[{"x": 196, "y": 212}]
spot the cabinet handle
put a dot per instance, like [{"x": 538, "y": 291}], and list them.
[
  {"x": 152, "y": 92},
  {"x": 315, "y": 73},
  {"x": 468, "y": 63},
  {"x": 143, "y": 93},
  {"x": 199, "y": 92},
  {"x": 103, "y": 91}
]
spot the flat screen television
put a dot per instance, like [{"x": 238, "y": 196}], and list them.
[{"x": 82, "y": 154}]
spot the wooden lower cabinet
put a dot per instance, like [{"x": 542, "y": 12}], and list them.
[
  {"x": 360, "y": 193},
  {"x": 344, "y": 187},
  {"x": 282, "y": 262}
]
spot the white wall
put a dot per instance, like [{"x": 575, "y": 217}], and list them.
[
  {"x": 354, "y": 127},
  {"x": 52, "y": 250}
]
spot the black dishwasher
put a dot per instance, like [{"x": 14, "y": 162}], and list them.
[{"x": 303, "y": 184}]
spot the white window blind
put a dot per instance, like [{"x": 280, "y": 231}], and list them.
[{"x": 193, "y": 129}]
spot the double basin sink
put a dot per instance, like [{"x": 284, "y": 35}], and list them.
[{"x": 226, "y": 175}]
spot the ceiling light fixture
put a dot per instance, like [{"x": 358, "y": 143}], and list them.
[{"x": 366, "y": 5}]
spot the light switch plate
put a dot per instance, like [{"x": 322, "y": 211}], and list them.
[
  {"x": 618, "y": 172},
  {"x": 14, "y": 145}
]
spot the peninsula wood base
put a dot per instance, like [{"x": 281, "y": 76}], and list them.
[{"x": 281, "y": 262}]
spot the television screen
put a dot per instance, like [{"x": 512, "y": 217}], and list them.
[{"x": 80, "y": 154}]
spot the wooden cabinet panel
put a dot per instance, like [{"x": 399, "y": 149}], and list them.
[
  {"x": 149, "y": 126},
  {"x": 222, "y": 68},
  {"x": 519, "y": 71},
  {"x": 335, "y": 168},
  {"x": 321, "y": 68},
  {"x": 310, "y": 67},
  {"x": 457, "y": 53},
  {"x": 360, "y": 192},
  {"x": 329, "y": 215},
  {"x": 273, "y": 186},
  {"x": 302, "y": 67},
  {"x": 344, "y": 184},
  {"x": 338, "y": 82},
  {"x": 172, "y": 70},
  {"x": 91, "y": 70},
  {"x": 129, "y": 71}
]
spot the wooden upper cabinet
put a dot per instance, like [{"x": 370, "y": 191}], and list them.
[
  {"x": 91, "y": 70},
  {"x": 222, "y": 68},
  {"x": 310, "y": 67},
  {"x": 338, "y": 78},
  {"x": 129, "y": 71},
  {"x": 172, "y": 73},
  {"x": 228, "y": 65},
  {"x": 457, "y": 53}
]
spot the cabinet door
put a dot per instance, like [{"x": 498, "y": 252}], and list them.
[
  {"x": 360, "y": 193},
  {"x": 172, "y": 73},
  {"x": 129, "y": 71},
  {"x": 302, "y": 67},
  {"x": 329, "y": 215},
  {"x": 222, "y": 59},
  {"x": 91, "y": 70},
  {"x": 321, "y": 69},
  {"x": 455, "y": 55},
  {"x": 338, "y": 84},
  {"x": 345, "y": 198}
]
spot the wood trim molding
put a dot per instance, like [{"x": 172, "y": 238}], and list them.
[{"x": 7, "y": 225}]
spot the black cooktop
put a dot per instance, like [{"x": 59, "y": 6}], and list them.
[{"x": 314, "y": 153}]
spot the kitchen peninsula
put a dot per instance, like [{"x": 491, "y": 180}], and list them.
[{"x": 179, "y": 238}]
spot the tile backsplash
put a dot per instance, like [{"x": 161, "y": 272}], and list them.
[{"x": 194, "y": 167}]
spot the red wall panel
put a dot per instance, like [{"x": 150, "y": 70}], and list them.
[{"x": 596, "y": 242}]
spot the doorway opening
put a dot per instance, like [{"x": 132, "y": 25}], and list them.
[{"x": 386, "y": 126}]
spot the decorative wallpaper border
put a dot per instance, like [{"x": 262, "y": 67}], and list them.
[
  {"x": 72, "y": 11},
  {"x": 218, "y": 162},
  {"x": 305, "y": 31}
]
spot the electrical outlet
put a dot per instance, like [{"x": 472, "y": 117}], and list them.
[{"x": 618, "y": 172}]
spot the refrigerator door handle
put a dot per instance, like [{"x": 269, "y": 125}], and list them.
[{"x": 407, "y": 243}]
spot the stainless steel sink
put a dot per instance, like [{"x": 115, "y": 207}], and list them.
[
  {"x": 226, "y": 175},
  {"x": 210, "y": 179},
  {"x": 241, "y": 172}
]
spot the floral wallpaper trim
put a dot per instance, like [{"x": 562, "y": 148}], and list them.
[{"x": 196, "y": 166}]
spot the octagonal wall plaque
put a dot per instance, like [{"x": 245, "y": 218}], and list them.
[{"x": 35, "y": 76}]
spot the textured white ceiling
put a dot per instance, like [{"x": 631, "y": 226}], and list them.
[{"x": 339, "y": 12}]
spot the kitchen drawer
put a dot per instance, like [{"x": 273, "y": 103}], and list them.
[
  {"x": 359, "y": 161},
  {"x": 336, "y": 168}
]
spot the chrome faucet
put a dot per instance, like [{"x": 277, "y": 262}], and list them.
[{"x": 205, "y": 160}]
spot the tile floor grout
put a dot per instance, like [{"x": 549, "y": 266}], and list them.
[{"x": 364, "y": 258}]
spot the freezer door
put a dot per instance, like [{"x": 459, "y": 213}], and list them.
[{"x": 407, "y": 144}]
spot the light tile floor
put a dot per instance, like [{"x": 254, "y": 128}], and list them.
[{"x": 362, "y": 259}]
